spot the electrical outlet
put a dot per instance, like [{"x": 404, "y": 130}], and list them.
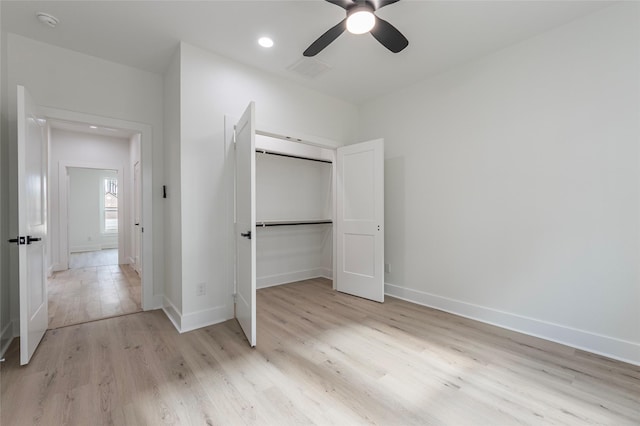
[
  {"x": 387, "y": 268},
  {"x": 201, "y": 289}
]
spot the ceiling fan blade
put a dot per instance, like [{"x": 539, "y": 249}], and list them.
[
  {"x": 345, "y": 4},
  {"x": 325, "y": 39},
  {"x": 377, "y": 4},
  {"x": 389, "y": 36}
]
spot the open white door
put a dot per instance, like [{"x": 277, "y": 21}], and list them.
[
  {"x": 360, "y": 220},
  {"x": 137, "y": 217},
  {"x": 246, "y": 224},
  {"x": 32, "y": 228}
]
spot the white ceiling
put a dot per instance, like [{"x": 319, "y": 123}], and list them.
[{"x": 442, "y": 34}]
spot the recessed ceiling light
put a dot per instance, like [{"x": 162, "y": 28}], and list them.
[
  {"x": 47, "y": 19},
  {"x": 93, "y": 127},
  {"x": 265, "y": 42}
]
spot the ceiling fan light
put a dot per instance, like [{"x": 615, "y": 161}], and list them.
[
  {"x": 361, "y": 22},
  {"x": 265, "y": 42}
]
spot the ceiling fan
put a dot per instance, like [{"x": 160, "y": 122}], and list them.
[{"x": 361, "y": 19}]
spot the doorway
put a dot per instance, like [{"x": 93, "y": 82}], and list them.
[
  {"x": 94, "y": 204},
  {"x": 92, "y": 223}
]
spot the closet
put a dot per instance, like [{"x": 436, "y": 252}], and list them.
[
  {"x": 294, "y": 216},
  {"x": 304, "y": 211}
]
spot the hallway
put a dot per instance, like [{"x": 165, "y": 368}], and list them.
[{"x": 92, "y": 292}]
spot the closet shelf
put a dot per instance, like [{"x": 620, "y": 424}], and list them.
[{"x": 266, "y": 223}]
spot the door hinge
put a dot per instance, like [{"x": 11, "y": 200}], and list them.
[
  {"x": 235, "y": 297},
  {"x": 19, "y": 240}
]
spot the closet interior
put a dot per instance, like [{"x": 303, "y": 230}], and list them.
[{"x": 294, "y": 211}]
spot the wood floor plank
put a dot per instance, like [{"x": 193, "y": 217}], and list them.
[{"x": 322, "y": 358}]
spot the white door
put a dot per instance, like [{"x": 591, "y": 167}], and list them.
[
  {"x": 246, "y": 224},
  {"x": 360, "y": 220},
  {"x": 32, "y": 229},
  {"x": 137, "y": 229}
]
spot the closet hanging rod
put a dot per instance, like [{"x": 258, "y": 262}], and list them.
[
  {"x": 262, "y": 151},
  {"x": 291, "y": 223}
]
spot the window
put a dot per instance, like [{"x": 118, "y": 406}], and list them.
[{"x": 110, "y": 203}]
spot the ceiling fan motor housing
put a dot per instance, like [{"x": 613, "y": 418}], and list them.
[{"x": 361, "y": 19}]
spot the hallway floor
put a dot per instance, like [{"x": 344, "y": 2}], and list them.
[
  {"x": 93, "y": 292},
  {"x": 85, "y": 259}
]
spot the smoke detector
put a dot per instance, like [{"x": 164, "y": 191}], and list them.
[{"x": 47, "y": 19}]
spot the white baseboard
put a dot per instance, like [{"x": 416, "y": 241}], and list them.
[
  {"x": 6, "y": 337},
  {"x": 326, "y": 273},
  {"x": 90, "y": 247},
  {"x": 157, "y": 302},
  {"x": 291, "y": 277},
  {"x": 57, "y": 267},
  {"x": 194, "y": 320},
  {"x": 173, "y": 314},
  {"x": 204, "y": 318},
  {"x": 611, "y": 347}
]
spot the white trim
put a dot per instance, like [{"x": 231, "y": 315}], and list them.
[
  {"x": 611, "y": 347},
  {"x": 7, "y": 335},
  {"x": 172, "y": 313},
  {"x": 326, "y": 273},
  {"x": 194, "y": 320},
  {"x": 290, "y": 277},
  {"x": 57, "y": 267},
  {"x": 204, "y": 318},
  {"x": 157, "y": 302},
  {"x": 229, "y": 178},
  {"x": 261, "y": 129},
  {"x": 84, "y": 248}
]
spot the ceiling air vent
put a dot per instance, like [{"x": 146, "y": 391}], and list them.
[{"x": 309, "y": 67}]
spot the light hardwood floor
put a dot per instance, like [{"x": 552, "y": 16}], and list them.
[
  {"x": 86, "y": 259},
  {"x": 322, "y": 358},
  {"x": 93, "y": 292}
]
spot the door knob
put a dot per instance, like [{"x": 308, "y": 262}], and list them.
[
  {"x": 246, "y": 234},
  {"x": 19, "y": 240},
  {"x": 31, "y": 239}
]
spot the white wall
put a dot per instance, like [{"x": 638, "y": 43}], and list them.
[
  {"x": 210, "y": 88},
  {"x": 85, "y": 230},
  {"x": 512, "y": 185},
  {"x": 292, "y": 189},
  {"x": 79, "y": 149},
  {"x": 65, "y": 80}
]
